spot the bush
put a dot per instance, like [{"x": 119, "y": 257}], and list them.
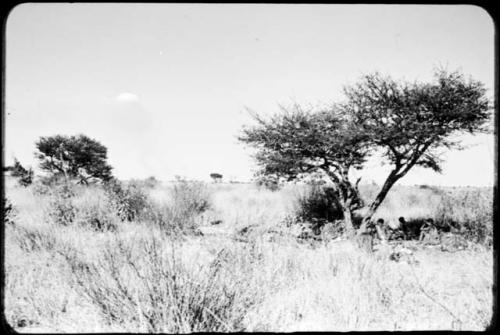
[
  {"x": 269, "y": 182},
  {"x": 317, "y": 212},
  {"x": 45, "y": 184},
  {"x": 129, "y": 201},
  {"x": 25, "y": 176},
  {"x": 151, "y": 182},
  {"x": 318, "y": 203},
  {"x": 148, "y": 183},
  {"x": 61, "y": 208}
]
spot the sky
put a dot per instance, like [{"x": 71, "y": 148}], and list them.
[{"x": 167, "y": 87}]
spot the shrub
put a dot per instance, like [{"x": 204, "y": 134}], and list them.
[
  {"x": 151, "y": 182},
  {"x": 318, "y": 203},
  {"x": 61, "y": 208},
  {"x": 317, "y": 212},
  {"x": 148, "y": 183},
  {"x": 129, "y": 201},
  {"x": 268, "y": 181},
  {"x": 25, "y": 176},
  {"x": 46, "y": 184}
]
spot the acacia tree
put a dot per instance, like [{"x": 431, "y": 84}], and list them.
[
  {"x": 412, "y": 123},
  {"x": 217, "y": 177},
  {"x": 295, "y": 142},
  {"x": 409, "y": 122},
  {"x": 77, "y": 157}
]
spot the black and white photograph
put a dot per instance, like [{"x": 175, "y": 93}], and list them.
[{"x": 202, "y": 167}]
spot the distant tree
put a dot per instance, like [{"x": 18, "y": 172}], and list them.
[
  {"x": 25, "y": 176},
  {"x": 77, "y": 157},
  {"x": 411, "y": 123},
  {"x": 216, "y": 177},
  {"x": 151, "y": 182},
  {"x": 408, "y": 122}
]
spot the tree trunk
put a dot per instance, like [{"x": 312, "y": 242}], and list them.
[
  {"x": 390, "y": 181},
  {"x": 348, "y": 221}
]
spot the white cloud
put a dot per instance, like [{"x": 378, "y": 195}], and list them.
[{"x": 127, "y": 97}]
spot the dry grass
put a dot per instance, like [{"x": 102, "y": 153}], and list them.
[{"x": 138, "y": 278}]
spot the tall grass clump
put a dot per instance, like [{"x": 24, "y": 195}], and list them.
[
  {"x": 130, "y": 201},
  {"x": 179, "y": 213},
  {"x": 61, "y": 208},
  {"x": 470, "y": 212},
  {"x": 190, "y": 197},
  {"x": 95, "y": 209},
  {"x": 143, "y": 286},
  {"x": 84, "y": 206}
]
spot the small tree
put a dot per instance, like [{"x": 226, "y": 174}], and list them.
[
  {"x": 77, "y": 157},
  {"x": 216, "y": 177},
  {"x": 295, "y": 142},
  {"x": 25, "y": 176}
]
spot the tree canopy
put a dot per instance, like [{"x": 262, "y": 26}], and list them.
[
  {"x": 77, "y": 157},
  {"x": 216, "y": 176},
  {"x": 411, "y": 123}
]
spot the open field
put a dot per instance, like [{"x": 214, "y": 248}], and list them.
[{"x": 245, "y": 271}]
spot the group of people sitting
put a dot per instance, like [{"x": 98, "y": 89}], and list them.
[{"x": 423, "y": 231}]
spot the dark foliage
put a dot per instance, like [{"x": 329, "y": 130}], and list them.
[
  {"x": 24, "y": 176},
  {"x": 270, "y": 182},
  {"x": 130, "y": 201},
  {"x": 320, "y": 203},
  {"x": 61, "y": 209},
  {"x": 77, "y": 157},
  {"x": 217, "y": 177},
  {"x": 8, "y": 211}
]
